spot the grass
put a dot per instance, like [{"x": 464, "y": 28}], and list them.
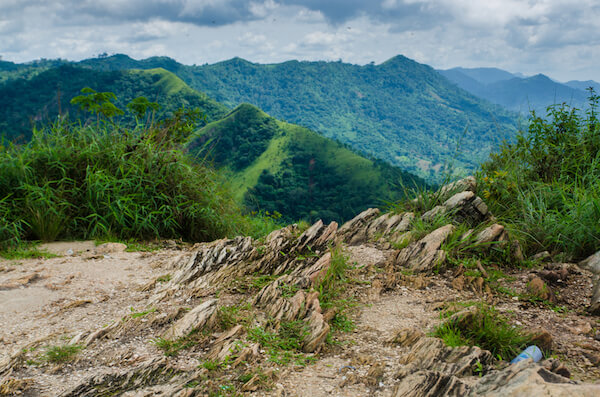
[
  {"x": 489, "y": 330},
  {"x": 229, "y": 316},
  {"x": 135, "y": 314},
  {"x": 25, "y": 251},
  {"x": 104, "y": 181},
  {"x": 283, "y": 346},
  {"x": 545, "y": 186},
  {"x": 171, "y": 348},
  {"x": 61, "y": 354}
]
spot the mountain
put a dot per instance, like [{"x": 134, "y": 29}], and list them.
[
  {"x": 399, "y": 111},
  {"x": 583, "y": 85},
  {"x": 277, "y": 166},
  {"x": 29, "y": 102},
  {"x": 482, "y": 75},
  {"x": 517, "y": 93}
]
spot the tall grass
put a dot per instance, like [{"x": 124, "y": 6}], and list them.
[
  {"x": 73, "y": 181},
  {"x": 546, "y": 185}
]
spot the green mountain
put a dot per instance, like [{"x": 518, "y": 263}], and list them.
[
  {"x": 277, "y": 166},
  {"x": 399, "y": 111},
  {"x": 27, "y": 102}
]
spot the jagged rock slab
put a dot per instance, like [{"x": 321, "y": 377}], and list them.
[
  {"x": 430, "y": 384},
  {"x": 527, "y": 378},
  {"x": 592, "y": 264},
  {"x": 425, "y": 254},
  {"x": 432, "y": 355},
  {"x": 119, "y": 382},
  {"x": 199, "y": 317},
  {"x": 464, "y": 206}
]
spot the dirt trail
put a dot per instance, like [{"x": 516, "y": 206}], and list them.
[{"x": 76, "y": 295}]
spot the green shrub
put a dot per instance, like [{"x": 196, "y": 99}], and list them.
[
  {"x": 546, "y": 185},
  {"x": 487, "y": 329}
]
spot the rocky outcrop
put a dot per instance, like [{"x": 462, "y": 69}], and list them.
[
  {"x": 592, "y": 264},
  {"x": 464, "y": 207},
  {"x": 527, "y": 378},
  {"x": 425, "y": 254},
  {"x": 199, "y": 317},
  {"x": 118, "y": 382},
  {"x": 369, "y": 226}
]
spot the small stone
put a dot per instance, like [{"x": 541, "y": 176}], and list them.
[
  {"x": 538, "y": 288},
  {"x": 541, "y": 256},
  {"x": 542, "y": 339},
  {"x": 584, "y": 329}
]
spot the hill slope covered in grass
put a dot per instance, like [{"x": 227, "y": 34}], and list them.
[
  {"x": 277, "y": 166},
  {"x": 25, "y": 103}
]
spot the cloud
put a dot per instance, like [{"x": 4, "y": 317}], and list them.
[{"x": 556, "y": 37}]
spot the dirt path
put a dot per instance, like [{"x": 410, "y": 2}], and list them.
[{"x": 70, "y": 295}]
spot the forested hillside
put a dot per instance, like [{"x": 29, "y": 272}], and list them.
[
  {"x": 25, "y": 103},
  {"x": 400, "y": 111},
  {"x": 276, "y": 166}
]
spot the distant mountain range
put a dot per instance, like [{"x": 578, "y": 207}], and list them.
[{"x": 518, "y": 92}]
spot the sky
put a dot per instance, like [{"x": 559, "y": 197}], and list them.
[{"x": 560, "y": 38}]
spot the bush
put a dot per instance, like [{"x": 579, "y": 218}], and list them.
[
  {"x": 73, "y": 181},
  {"x": 546, "y": 185}
]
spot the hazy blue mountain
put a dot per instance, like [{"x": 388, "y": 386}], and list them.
[
  {"x": 521, "y": 94},
  {"x": 484, "y": 75},
  {"x": 583, "y": 85}
]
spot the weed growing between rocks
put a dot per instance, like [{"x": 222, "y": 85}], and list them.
[
  {"x": 481, "y": 325},
  {"x": 61, "y": 354},
  {"x": 283, "y": 346}
]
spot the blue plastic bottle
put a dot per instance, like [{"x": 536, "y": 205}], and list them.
[{"x": 533, "y": 352}]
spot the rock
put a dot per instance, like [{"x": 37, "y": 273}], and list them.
[
  {"x": 538, "y": 289},
  {"x": 554, "y": 365},
  {"x": 541, "y": 256},
  {"x": 430, "y": 384},
  {"x": 406, "y": 337},
  {"x": 527, "y": 378},
  {"x": 109, "y": 248},
  {"x": 542, "y": 339},
  {"x": 592, "y": 264},
  {"x": 354, "y": 232},
  {"x": 375, "y": 375},
  {"x": 464, "y": 207},
  {"x": 555, "y": 276},
  {"x": 14, "y": 387},
  {"x": 431, "y": 354},
  {"x": 466, "y": 184},
  {"x": 582, "y": 329},
  {"x": 490, "y": 234},
  {"x": 425, "y": 254},
  {"x": 198, "y": 318},
  {"x": 154, "y": 372},
  {"x": 19, "y": 281}
]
